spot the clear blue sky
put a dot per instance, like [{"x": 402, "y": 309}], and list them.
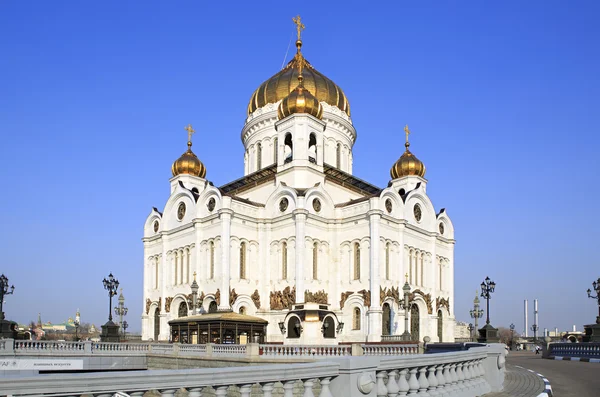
[{"x": 503, "y": 99}]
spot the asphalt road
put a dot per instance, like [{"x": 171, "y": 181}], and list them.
[{"x": 567, "y": 378}]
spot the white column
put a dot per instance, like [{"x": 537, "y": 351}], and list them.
[
  {"x": 374, "y": 312},
  {"x": 300, "y": 218},
  {"x": 225, "y": 257}
]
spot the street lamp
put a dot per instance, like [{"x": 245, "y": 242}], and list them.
[
  {"x": 121, "y": 310},
  {"x": 512, "y": 334},
  {"x": 111, "y": 285},
  {"x": 195, "y": 288},
  {"x": 535, "y": 328},
  {"x": 4, "y": 290},
  {"x": 476, "y": 312},
  {"x": 471, "y": 327},
  {"x": 76, "y": 323},
  {"x": 596, "y": 285},
  {"x": 487, "y": 288},
  {"x": 406, "y": 305}
]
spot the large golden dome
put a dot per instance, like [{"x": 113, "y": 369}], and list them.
[
  {"x": 300, "y": 100},
  {"x": 285, "y": 81},
  {"x": 407, "y": 164}
]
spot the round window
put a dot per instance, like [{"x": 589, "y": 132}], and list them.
[
  {"x": 155, "y": 226},
  {"x": 317, "y": 205},
  {"x": 283, "y": 204},
  {"x": 211, "y": 204},
  {"x": 441, "y": 227},
  {"x": 181, "y": 211},
  {"x": 388, "y": 205},
  {"x": 417, "y": 212}
]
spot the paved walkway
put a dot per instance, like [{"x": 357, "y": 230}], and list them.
[{"x": 520, "y": 382}]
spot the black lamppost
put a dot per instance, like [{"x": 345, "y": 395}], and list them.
[
  {"x": 125, "y": 326},
  {"x": 488, "y": 334},
  {"x": 471, "y": 327},
  {"x": 535, "y": 328},
  {"x": 512, "y": 334},
  {"x": 596, "y": 285},
  {"x": 4, "y": 290},
  {"x": 487, "y": 288},
  {"x": 110, "y": 330}
]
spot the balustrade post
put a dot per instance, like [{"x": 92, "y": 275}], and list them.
[
  {"x": 288, "y": 389},
  {"x": 267, "y": 389},
  {"x": 325, "y": 391},
  {"x": 392, "y": 385},
  {"x": 136, "y": 393},
  {"x": 423, "y": 383},
  {"x": 441, "y": 380},
  {"x": 308, "y": 388},
  {"x": 413, "y": 382},
  {"x": 403, "y": 387},
  {"x": 460, "y": 378},
  {"x": 448, "y": 379},
  {"x": 221, "y": 391},
  {"x": 209, "y": 349},
  {"x": 166, "y": 393},
  {"x": 381, "y": 389},
  {"x": 245, "y": 390},
  {"x": 432, "y": 380}
]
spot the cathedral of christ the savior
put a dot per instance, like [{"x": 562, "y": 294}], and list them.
[{"x": 299, "y": 241}]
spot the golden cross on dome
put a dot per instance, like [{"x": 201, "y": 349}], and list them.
[
  {"x": 407, "y": 132},
  {"x": 299, "y": 25},
  {"x": 194, "y": 276},
  {"x": 406, "y": 275},
  {"x": 190, "y": 131}
]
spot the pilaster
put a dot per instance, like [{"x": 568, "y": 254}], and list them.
[
  {"x": 300, "y": 221},
  {"x": 225, "y": 257}
]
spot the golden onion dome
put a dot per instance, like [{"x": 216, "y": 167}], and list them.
[
  {"x": 189, "y": 163},
  {"x": 300, "y": 100},
  {"x": 285, "y": 81},
  {"x": 407, "y": 164}
]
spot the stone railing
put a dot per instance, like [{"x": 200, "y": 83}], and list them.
[
  {"x": 590, "y": 350},
  {"x": 390, "y": 350},
  {"x": 55, "y": 348},
  {"x": 455, "y": 374},
  {"x": 304, "y": 351},
  {"x": 229, "y": 350}
]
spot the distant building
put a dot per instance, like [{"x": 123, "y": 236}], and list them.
[{"x": 461, "y": 330}]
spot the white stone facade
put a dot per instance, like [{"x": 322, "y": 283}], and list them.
[{"x": 357, "y": 240}]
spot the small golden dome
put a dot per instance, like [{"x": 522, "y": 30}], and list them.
[
  {"x": 189, "y": 164},
  {"x": 407, "y": 164},
  {"x": 285, "y": 81},
  {"x": 300, "y": 101}
]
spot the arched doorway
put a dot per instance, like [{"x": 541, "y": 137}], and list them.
[
  {"x": 294, "y": 328},
  {"x": 414, "y": 322},
  {"x": 385, "y": 323},
  {"x": 183, "y": 310},
  {"x": 212, "y": 308},
  {"x": 328, "y": 328},
  {"x": 440, "y": 330},
  {"x": 156, "y": 324}
]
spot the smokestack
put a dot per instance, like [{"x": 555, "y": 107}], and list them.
[
  {"x": 574, "y": 328},
  {"x": 545, "y": 332},
  {"x": 556, "y": 331},
  {"x": 526, "y": 325}
]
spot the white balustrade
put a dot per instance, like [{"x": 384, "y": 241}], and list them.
[
  {"x": 389, "y": 350},
  {"x": 308, "y": 351},
  {"x": 229, "y": 350}
]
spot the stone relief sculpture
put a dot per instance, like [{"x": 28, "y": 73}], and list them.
[
  {"x": 344, "y": 298},
  {"x": 148, "y": 304},
  {"x": 218, "y": 297},
  {"x": 283, "y": 299},
  {"x": 232, "y": 296},
  {"x": 316, "y": 297},
  {"x": 442, "y": 302},
  {"x": 426, "y": 298},
  {"x": 256, "y": 299},
  {"x": 159, "y": 303},
  {"x": 366, "y": 297},
  {"x": 168, "y": 301},
  {"x": 393, "y": 293}
]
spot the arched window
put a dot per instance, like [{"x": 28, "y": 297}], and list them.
[
  {"x": 410, "y": 266},
  {"x": 441, "y": 269},
  {"x": 175, "y": 266},
  {"x": 212, "y": 260},
  {"x": 275, "y": 150},
  {"x": 386, "y": 319},
  {"x": 258, "y": 156},
  {"x": 356, "y": 318},
  {"x": 289, "y": 149},
  {"x": 328, "y": 328},
  {"x": 242, "y": 260},
  {"x": 183, "y": 310},
  {"x": 422, "y": 268},
  {"x": 156, "y": 324},
  {"x": 156, "y": 275},
  {"x": 312, "y": 148},
  {"x": 440, "y": 330},
  {"x": 294, "y": 328},
  {"x": 315, "y": 267},
  {"x": 387, "y": 261},
  {"x": 338, "y": 156},
  {"x": 284, "y": 261},
  {"x": 356, "y": 261},
  {"x": 212, "y": 307}
]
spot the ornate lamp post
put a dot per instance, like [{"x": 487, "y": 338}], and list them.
[
  {"x": 5, "y": 326},
  {"x": 195, "y": 288},
  {"x": 488, "y": 334},
  {"x": 121, "y": 310},
  {"x": 471, "y": 327},
  {"x": 4, "y": 290},
  {"x": 125, "y": 326},
  {"x": 512, "y": 334},
  {"x": 534, "y": 328},
  {"x": 76, "y": 323},
  {"x": 476, "y": 312},
  {"x": 406, "y": 305},
  {"x": 595, "y": 328},
  {"x": 110, "y": 330}
]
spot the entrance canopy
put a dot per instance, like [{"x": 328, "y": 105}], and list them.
[{"x": 225, "y": 327}]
